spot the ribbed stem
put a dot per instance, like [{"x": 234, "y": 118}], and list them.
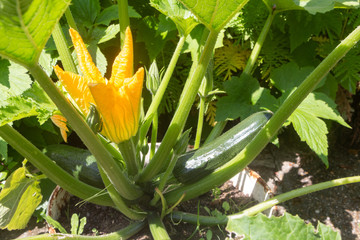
[
  {"x": 157, "y": 227},
  {"x": 70, "y": 19},
  {"x": 63, "y": 50},
  {"x": 200, "y": 123},
  {"x": 180, "y": 116},
  {"x": 128, "y": 152},
  {"x": 162, "y": 88},
  {"x": 123, "y": 19}
]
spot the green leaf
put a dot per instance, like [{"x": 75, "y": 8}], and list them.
[
  {"x": 147, "y": 33},
  {"x": 33, "y": 102},
  {"x": 238, "y": 103},
  {"x": 104, "y": 34},
  {"x": 47, "y": 62},
  {"x": 327, "y": 233},
  {"x": 3, "y": 150},
  {"x": 311, "y": 129},
  {"x": 25, "y": 27},
  {"x": 286, "y": 227},
  {"x": 214, "y": 14},
  {"x": 112, "y": 13},
  {"x": 85, "y": 11},
  {"x": 312, "y": 6},
  {"x": 74, "y": 224},
  {"x": 18, "y": 200},
  {"x": 14, "y": 80},
  {"x": 183, "y": 18},
  {"x": 289, "y": 76}
]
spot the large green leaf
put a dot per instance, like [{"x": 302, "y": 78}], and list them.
[
  {"x": 183, "y": 19},
  {"x": 14, "y": 80},
  {"x": 287, "y": 227},
  {"x": 214, "y": 14},
  {"x": 311, "y": 129},
  {"x": 32, "y": 102},
  {"x": 18, "y": 200},
  {"x": 312, "y": 6},
  {"x": 25, "y": 27}
]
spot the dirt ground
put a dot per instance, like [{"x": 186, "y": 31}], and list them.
[
  {"x": 294, "y": 165},
  {"x": 291, "y": 166}
]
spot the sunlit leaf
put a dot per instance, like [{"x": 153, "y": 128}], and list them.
[
  {"x": 312, "y": 6},
  {"x": 214, "y": 14},
  {"x": 25, "y": 27},
  {"x": 18, "y": 200},
  {"x": 286, "y": 227},
  {"x": 183, "y": 18}
]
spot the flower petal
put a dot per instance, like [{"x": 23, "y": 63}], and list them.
[
  {"x": 77, "y": 87},
  {"x": 86, "y": 64},
  {"x": 119, "y": 121},
  {"x": 60, "y": 121},
  {"x": 123, "y": 64}
]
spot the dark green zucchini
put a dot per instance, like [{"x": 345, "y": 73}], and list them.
[
  {"x": 78, "y": 162},
  {"x": 199, "y": 163}
]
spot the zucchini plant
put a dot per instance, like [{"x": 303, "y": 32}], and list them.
[{"x": 105, "y": 110}]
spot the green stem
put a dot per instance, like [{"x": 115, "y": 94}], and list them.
[
  {"x": 162, "y": 88},
  {"x": 188, "y": 96},
  {"x": 70, "y": 19},
  {"x": 123, "y": 19},
  {"x": 121, "y": 183},
  {"x": 51, "y": 169},
  {"x": 293, "y": 194},
  {"x": 200, "y": 123},
  {"x": 63, "y": 50},
  {"x": 118, "y": 200},
  {"x": 154, "y": 131},
  {"x": 124, "y": 233},
  {"x": 157, "y": 227},
  {"x": 210, "y": 221},
  {"x": 258, "y": 45},
  {"x": 245, "y": 157},
  {"x": 164, "y": 179},
  {"x": 128, "y": 152}
]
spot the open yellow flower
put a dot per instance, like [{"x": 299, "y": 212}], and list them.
[{"x": 117, "y": 99}]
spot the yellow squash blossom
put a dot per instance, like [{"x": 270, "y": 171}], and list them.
[{"x": 117, "y": 99}]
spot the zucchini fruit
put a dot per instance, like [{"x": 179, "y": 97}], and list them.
[
  {"x": 199, "y": 163},
  {"x": 78, "y": 162}
]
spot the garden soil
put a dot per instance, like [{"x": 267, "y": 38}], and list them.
[{"x": 292, "y": 165}]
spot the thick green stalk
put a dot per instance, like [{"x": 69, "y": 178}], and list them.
[
  {"x": 162, "y": 88},
  {"x": 119, "y": 202},
  {"x": 123, "y": 19},
  {"x": 154, "y": 131},
  {"x": 121, "y": 183},
  {"x": 188, "y": 96},
  {"x": 245, "y": 157},
  {"x": 128, "y": 152},
  {"x": 51, "y": 169},
  {"x": 157, "y": 227},
  {"x": 70, "y": 19},
  {"x": 210, "y": 221},
  {"x": 63, "y": 50},
  {"x": 200, "y": 123},
  {"x": 124, "y": 233},
  {"x": 258, "y": 45}
]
